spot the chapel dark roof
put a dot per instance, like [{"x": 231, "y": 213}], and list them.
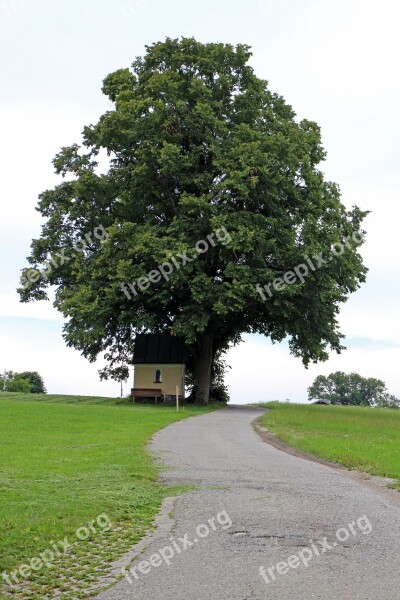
[{"x": 159, "y": 348}]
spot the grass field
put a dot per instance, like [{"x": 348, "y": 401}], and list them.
[
  {"x": 63, "y": 462},
  {"x": 356, "y": 437}
]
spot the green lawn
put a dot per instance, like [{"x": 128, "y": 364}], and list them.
[
  {"x": 356, "y": 437},
  {"x": 63, "y": 462}
]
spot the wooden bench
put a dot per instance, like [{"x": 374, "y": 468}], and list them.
[{"x": 146, "y": 393}]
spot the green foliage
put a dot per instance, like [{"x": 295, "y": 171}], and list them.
[
  {"x": 342, "y": 388},
  {"x": 219, "y": 393},
  {"x": 28, "y": 381},
  {"x": 196, "y": 143},
  {"x": 388, "y": 401},
  {"x": 219, "y": 390},
  {"x": 18, "y": 385},
  {"x": 14, "y": 382},
  {"x": 35, "y": 380}
]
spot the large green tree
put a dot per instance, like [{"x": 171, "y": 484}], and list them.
[{"x": 196, "y": 144}]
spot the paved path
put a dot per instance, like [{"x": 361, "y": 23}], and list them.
[{"x": 279, "y": 505}]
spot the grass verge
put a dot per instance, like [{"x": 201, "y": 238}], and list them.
[
  {"x": 356, "y": 437},
  {"x": 64, "y": 461}
]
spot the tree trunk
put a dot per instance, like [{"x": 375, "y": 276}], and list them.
[{"x": 202, "y": 370}]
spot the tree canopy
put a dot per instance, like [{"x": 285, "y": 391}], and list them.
[
  {"x": 352, "y": 389},
  {"x": 197, "y": 144}
]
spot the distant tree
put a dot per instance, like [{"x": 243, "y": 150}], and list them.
[
  {"x": 35, "y": 380},
  {"x": 5, "y": 379},
  {"x": 352, "y": 389},
  {"x": 372, "y": 390},
  {"x": 388, "y": 401},
  {"x": 323, "y": 388},
  {"x": 13, "y": 382}
]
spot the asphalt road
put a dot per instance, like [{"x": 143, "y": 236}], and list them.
[{"x": 261, "y": 507}]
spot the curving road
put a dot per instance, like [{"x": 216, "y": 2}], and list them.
[{"x": 318, "y": 532}]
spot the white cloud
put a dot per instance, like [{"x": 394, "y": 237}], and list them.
[{"x": 11, "y": 307}]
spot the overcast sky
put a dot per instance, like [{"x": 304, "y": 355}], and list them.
[{"x": 335, "y": 61}]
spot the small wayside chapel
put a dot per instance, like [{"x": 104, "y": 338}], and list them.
[{"x": 159, "y": 367}]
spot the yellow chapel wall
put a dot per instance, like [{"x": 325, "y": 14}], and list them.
[{"x": 171, "y": 376}]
